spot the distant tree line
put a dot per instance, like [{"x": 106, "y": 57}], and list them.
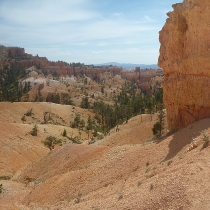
[{"x": 11, "y": 87}]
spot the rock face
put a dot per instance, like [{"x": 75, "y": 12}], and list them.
[
  {"x": 17, "y": 56},
  {"x": 184, "y": 57}
]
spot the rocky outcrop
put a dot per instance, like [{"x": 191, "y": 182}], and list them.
[
  {"x": 14, "y": 52},
  {"x": 184, "y": 58}
]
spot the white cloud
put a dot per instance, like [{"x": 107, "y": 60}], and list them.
[
  {"x": 97, "y": 52},
  {"x": 148, "y": 18},
  {"x": 39, "y": 12},
  {"x": 76, "y": 29},
  {"x": 117, "y": 15}
]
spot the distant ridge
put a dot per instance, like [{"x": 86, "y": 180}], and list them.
[{"x": 130, "y": 65}]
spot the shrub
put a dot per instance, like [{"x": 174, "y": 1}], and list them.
[
  {"x": 156, "y": 128},
  {"x": 1, "y": 188},
  {"x": 159, "y": 125},
  {"x": 64, "y": 132},
  {"x": 205, "y": 137},
  {"x": 29, "y": 112},
  {"x": 34, "y": 130},
  {"x": 120, "y": 197},
  {"x": 75, "y": 140},
  {"x": 78, "y": 122},
  {"x": 151, "y": 186},
  {"x": 51, "y": 141},
  {"x": 47, "y": 117},
  {"x": 5, "y": 177},
  {"x": 23, "y": 118}
]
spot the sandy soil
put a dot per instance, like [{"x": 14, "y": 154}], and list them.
[
  {"x": 132, "y": 173},
  {"x": 18, "y": 146},
  {"x": 136, "y": 131}
]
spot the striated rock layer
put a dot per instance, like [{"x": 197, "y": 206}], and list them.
[
  {"x": 185, "y": 59},
  {"x": 13, "y": 56}
]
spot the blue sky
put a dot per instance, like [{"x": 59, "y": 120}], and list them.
[{"x": 86, "y": 31}]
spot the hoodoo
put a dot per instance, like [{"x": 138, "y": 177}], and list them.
[{"x": 185, "y": 59}]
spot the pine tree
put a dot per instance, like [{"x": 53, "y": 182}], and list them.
[
  {"x": 34, "y": 130},
  {"x": 23, "y": 118},
  {"x": 159, "y": 125},
  {"x": 64, "y": 132}
]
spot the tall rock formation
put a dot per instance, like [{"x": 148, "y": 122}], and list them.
[{"x": 185, "y": 59}]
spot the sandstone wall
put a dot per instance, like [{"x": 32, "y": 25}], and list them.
[{"x": 185, "y": 59}]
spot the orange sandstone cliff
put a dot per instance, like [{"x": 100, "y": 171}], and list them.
[{"x": 185, "y": 59}]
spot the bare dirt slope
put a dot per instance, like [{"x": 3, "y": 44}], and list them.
[
  {"x": 156, "y": 175},
  {"x": 136, "y": 131},
  {"x": 18, "y": 146}
]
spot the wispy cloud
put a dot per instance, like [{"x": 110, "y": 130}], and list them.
[
  {"x": 97, "y": 52},
  {"x": 38, "y": 13},
  {"x": 81, "y": 30},
  {"x": 148, "y": 18}
]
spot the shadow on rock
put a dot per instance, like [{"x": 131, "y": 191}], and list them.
[{"x": 185, "y": 136}]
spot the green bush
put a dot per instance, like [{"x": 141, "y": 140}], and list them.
[
  {"x": 156, "y": 129},
  {"x": 64, "y": 132},
  {"x": 5, "y": 177},
  {"x": 206, "y": 139},
  {"x": 23, "y": 118},
  {"x": 29, "y": 112},
  {"x": 34, "y": 130},
  {"x": 51, "y": 141},
  {"x": 1, "y": 188}
]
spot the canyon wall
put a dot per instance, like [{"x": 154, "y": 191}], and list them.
[
  {"x": 185, "y": 60},
  {"x": 16, "y": 56}
]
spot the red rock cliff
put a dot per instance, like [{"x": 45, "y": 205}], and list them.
[{"x": 184, "y": 57}]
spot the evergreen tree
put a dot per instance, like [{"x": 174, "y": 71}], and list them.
[
  {"x": 64, "y": 132},
  {"x": 85, "y": 103},
  {"x": 159, "y": 125},
  {"x": 56, "y": 99},
  {"x": 23, "y": 118},
  {"x": 10, "y": 87},
  {"x": 34, "y": 130}
]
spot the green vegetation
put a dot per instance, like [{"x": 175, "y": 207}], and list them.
[
  {"x": 51, "y": 141},
  {"x": 29, "y": 112},
  {"x": 75, "y": 139},
  {"x": 23, "y": 118},
  {"x": 39, "y": 97},
  {"x": 62, "y": 98},
  {"x": 64, "y": 133},
  {"x": 1, "y": 188},
  {"x": 11, "y": 87},
  {"x": 5, "y": 177},
  {"x": 85, "y": 103},
  {"x": 127, "y": 104},
  {"x": 78, "y": 122},
  {"x": 159, "y": 125},
  {"x": 47, "y": 117},
  {"x": 205, "y": 138},
  {"x": 34, "y": 130},
  {"x": 65, "y": 99},
  {"x": 120, "y": 197},
  {"x": 102, "y": 89}
]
